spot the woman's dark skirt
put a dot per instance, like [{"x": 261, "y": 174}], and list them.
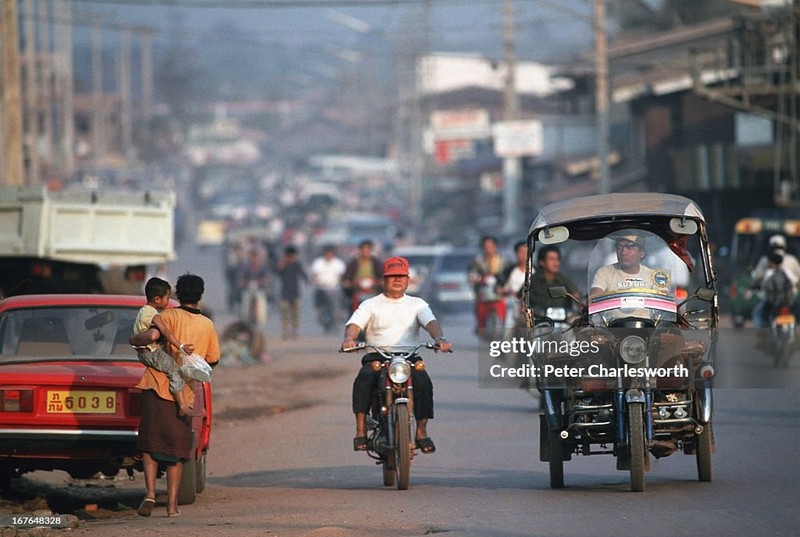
[{"x": 162, "y": 432}]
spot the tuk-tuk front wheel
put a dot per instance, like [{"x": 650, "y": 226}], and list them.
[{"x": 638, "y": 449}]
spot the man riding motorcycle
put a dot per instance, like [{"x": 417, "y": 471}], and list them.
[
  {"x": 362, "y": 277},
  {"x": 485, "y": 273},
  {"x": 392, "y": 319}
]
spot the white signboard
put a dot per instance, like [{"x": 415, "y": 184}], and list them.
[
  {"x": 471, "y": 124},
  {"x": 518, "y": 139}
]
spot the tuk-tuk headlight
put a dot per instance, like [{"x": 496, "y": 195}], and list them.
[
  {"x": 633, "y": 349},
  {"x": 399, "y": 371}
]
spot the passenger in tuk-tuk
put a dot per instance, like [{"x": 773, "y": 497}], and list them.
[{"x": 548, "y": 274}]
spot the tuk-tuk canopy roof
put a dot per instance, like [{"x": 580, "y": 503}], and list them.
[{"x": 616, "y": 205}]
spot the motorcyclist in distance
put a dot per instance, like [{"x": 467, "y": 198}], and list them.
[
  {"x": 790, "y": 265},
  {"x": 362, "y": 276},
  {"x": 484, "y": 274},
  {"x": 392, "y": 318}
]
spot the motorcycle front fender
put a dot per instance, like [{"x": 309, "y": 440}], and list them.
[{"x": 705, "y": 403}]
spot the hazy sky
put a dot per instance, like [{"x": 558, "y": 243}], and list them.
[{"x": 545, "y": 29}]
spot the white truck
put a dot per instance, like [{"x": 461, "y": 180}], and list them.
[{"x": 69, "y": 242}]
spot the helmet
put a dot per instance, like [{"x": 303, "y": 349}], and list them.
[{"x": 777, "y": 241}]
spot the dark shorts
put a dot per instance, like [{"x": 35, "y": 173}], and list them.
[{"x": 366, "y": 383}]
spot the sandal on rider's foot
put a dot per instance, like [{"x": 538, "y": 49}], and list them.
[
  {"x": 426, "y": 445},
  {"x": 146, "y": 507},
  {"x": 360, "y": 443}
]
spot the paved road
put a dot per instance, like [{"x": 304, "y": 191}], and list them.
[
  {"x": 281, "y": 460},
  {"x": 294, "y": 473}
]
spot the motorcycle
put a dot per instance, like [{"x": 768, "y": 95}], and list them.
[
  {"x": 390, "y": 426},
  {"x": 364, "y": 289},
  {"x": 634, "y": 376},
  {"x": 490, "y": 307},
  {"x": 783, "y": 328}
]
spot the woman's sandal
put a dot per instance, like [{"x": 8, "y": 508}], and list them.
[
  {"x": 176, "y": 513},
  {"x": 146, "y": 507}
]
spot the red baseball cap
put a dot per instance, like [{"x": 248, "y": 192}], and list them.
[{"x": 395, "y": 266}]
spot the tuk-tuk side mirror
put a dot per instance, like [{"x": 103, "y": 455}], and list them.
[
  {"x": 702, "y": 293},
  {"x": 683, "y": 226},
  {"x": 705, "y": 294},
  {"x": 557, "y": 292},
  {"x": 553, "y": 235}
]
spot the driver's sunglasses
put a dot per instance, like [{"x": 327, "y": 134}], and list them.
[{"x": 627, "y": 245}]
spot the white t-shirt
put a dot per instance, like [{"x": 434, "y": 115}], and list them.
[
  {"x": 391, "y": 322},
  {"x": 327, "y": 273},
  {"x": 612, "y": 278},
  {"x": 515, "y": 281}
]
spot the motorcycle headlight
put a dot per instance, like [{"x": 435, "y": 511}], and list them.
[
  {"x": 399, "y": 371},
  {"x": 633, "y": 349}
]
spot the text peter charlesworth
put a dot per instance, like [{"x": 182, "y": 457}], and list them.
[{"x": 528, "y": 348}]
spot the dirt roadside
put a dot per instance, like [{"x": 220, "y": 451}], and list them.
[{"x": 296, "y": 376}]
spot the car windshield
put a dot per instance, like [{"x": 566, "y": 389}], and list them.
[{"x": 76, "y": 332}]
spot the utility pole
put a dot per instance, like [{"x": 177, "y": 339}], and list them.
[
  {"x": 126, "y": 108},
  {"x": 12, "y": 169},
  {"x": 147, "y": 77},
  {"x": 64, "y": 85},
  {"x": 512, "y": 166},
  {"x": 46, "y": 85},
  {"x": 31, "y": 95},
  {"x": 98, "y": 112},
  {"x": 601, "y": 95}
]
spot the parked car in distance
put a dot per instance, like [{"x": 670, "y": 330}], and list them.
[
  {"x": 421, "y": 260},
  {"x": 68, "y": 399},
  {"x": 450, "y": 290}
]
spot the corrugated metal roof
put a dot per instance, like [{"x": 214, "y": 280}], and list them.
[{"x": 617, "y": 204}]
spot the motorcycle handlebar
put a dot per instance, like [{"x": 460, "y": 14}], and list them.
[{"x": 387, "y": 352}]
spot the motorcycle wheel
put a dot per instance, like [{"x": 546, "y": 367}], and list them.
[
  {"x": 556, "y": 460},
  {"x": 403, "y": 446},
  {"x": 703, "y": 453},
  {"x": 638, "y": 449}
]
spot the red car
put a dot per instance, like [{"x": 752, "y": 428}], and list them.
[{"x": 67, "y": 395}]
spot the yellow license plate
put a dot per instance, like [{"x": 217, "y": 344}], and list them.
[{"x": 81, "y": 402}]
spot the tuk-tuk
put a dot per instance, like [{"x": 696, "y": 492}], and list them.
[{"x": 632, "y": 375}]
